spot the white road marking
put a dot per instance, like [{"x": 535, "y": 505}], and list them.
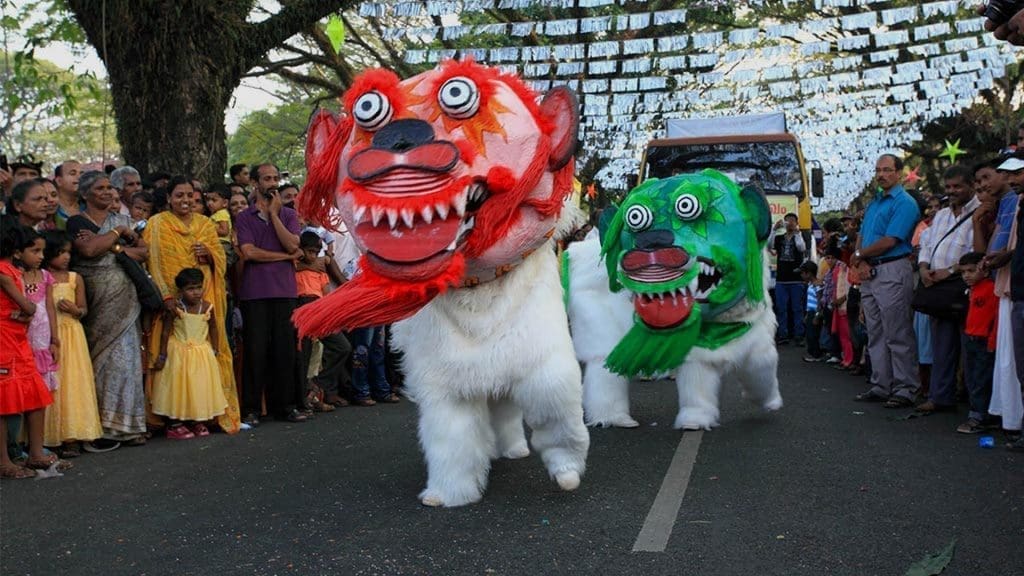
[{"x": 661, "y": 518}]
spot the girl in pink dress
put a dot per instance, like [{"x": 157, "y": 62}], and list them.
[{"x": 42, "y": 331}]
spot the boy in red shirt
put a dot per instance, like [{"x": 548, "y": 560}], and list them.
[{"x": 979, "y": 333}]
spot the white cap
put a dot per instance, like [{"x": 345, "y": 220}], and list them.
[{"x": 1012, "y": 165}]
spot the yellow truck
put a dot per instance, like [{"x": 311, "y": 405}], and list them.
[{"x": 751, "y": 149}]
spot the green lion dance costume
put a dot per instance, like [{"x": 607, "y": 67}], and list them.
[{"x": 677, "y": 284}]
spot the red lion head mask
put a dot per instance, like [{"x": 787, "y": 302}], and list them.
[{"x": 449, "y": 176}]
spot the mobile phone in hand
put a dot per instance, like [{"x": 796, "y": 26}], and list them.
[{"x": 3, "y": 162}]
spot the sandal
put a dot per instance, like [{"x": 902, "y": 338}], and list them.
[
  {"x": 69, "y": 450},
  {"x": 390, "y": 399},
  {"x": 47, "y": 461},
  {"x": 179, "y": 432},
  {"x": 898, "y": 402},
  {"x": 322, "y": 407},
  {"x": 15, "y": 472},
  {"x": 336, "y": 401},
  {"x": 200, "y": 429}
]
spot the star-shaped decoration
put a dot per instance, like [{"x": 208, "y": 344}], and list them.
[
  {"x": 591, "y": 191},
  {"x": 952, "y": 151},
  {"x": 913, "y": 177}
]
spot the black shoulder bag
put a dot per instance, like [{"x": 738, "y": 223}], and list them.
[{"x": 945, "y": 299}]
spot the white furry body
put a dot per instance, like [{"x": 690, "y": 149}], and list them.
[
  {"x": 479, "y": 360},
  {"x": 600, "y": 318}
]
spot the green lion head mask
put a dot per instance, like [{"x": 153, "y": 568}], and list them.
[{"x": 689, "y": 248}]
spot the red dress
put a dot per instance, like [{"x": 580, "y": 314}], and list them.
[{"x": 21, "y": 387}]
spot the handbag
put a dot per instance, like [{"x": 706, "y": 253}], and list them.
[
  {"x": 947, "y": 298},
  {"x": 145, "y": 288}
]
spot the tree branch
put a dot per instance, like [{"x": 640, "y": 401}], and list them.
[
  {"x": 314, "y": 80},
  {"x": 293, "y": 18}
]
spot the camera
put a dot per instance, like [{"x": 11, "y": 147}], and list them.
[{"x": 1000, "y": 11}]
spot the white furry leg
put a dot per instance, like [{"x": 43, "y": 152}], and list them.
[
  {"x": 507, "y": 422},
  {"x": 551, "y": 401},
  {"x": 457, "y": 441},
  {"x": 759, "y": 376},
  {"x": 698, "y": 396},
  {"x": 605, "y": 397}
]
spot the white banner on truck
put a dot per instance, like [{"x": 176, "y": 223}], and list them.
[{"x": 771, "y": 123}]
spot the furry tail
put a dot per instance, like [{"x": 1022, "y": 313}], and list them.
[{"x": 373, "y": 300}]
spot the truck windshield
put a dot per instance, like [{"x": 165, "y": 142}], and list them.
[{"x": 772, "y": 166}]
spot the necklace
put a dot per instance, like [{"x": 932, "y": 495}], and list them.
[
  {"x": 184, "y": 306},
  {"x": 93, "y": 220}
]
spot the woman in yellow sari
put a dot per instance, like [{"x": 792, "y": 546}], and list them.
[{"x": 181, "y": 239}]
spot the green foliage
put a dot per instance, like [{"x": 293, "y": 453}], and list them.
[
  {"x": 45, "y": 110},
  {"x": 277, "y": 135},
  {"x": 54, "y": 115}
]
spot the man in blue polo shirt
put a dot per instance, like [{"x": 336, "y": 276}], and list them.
[{"x": 882, "y": 260}]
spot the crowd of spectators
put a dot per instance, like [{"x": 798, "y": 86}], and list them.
[
  {"x": 133, "y": 305},
  {"x": 871, "y": 269}
]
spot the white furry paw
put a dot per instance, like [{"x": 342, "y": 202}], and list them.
[
  {"x": 774, "y": 404},
  {"x": 619, "y": 421},
  {"x": 695, "y": 419},
  {"x": 516, "y": 452},
  {"x": 434, "y": 499},
  {"x": 568, "y": 480}
]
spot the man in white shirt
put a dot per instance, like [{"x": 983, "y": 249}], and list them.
[{"x": 950, "y": 236}]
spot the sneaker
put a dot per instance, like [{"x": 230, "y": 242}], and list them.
[
  {"x": 833, "y": 360},
  {"x": 779, "y": 341},
  {"x": 799, "y": 342},
  {"x": 809, "y": 358},
  {"x": 200, "y": 429},
  {"x": 389, "y": 399},
  {"x": 179, "y": 432},
  {"x": 100, "y": 446},
  {"x": 251, "y": 420},
  {"x": 972, "y": 426}
]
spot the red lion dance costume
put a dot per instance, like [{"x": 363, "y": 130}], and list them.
[{"x": 451, "y": 183}]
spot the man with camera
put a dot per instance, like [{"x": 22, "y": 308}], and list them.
[
  {"x": 1005, "y": 19},
  {"x": 268, "y": 238}
]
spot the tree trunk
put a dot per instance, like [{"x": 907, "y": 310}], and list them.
[{"x": 173, "y": 65}]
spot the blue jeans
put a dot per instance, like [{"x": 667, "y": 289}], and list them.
[
  {"x": 813, "y": 332},
  {"x": 368, "y": 376},
  {"x": 978, "y": 370},
  {"x": 789, "y": 298}
]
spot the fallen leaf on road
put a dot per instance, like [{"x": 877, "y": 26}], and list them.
[{"x": 933, "y": 564}]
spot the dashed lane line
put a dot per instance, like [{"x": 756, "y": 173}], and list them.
[{"x": 662, "y": 516}]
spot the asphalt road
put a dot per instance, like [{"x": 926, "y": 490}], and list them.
[{"x": 826, "y": 486}]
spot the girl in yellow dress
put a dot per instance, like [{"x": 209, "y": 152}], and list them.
[
  {"x": 187, "y": 387},
  {"x": 74, "y": 416}
]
